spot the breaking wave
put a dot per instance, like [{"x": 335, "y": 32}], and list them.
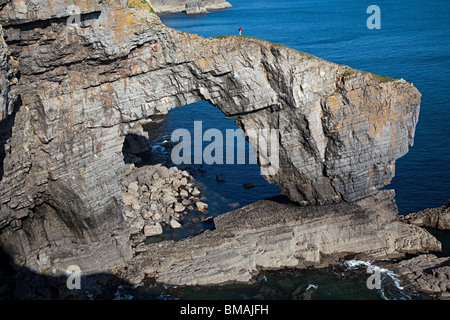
[{"x": 390, "y": 284}]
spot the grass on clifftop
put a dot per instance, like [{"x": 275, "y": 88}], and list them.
[
  {"x": 274, "y": 44},
  {"x": 346, "y": 74},
  {"x": 380, "y": 79},
  {"x": 141, "y": 4}
]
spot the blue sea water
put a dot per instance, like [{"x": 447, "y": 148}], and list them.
[{"x": 413, "y": 43}]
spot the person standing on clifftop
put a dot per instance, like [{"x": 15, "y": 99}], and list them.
[{"x": 240, "y": 30}]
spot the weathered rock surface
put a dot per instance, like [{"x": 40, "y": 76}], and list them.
[
  {"x": 196, "y": 7},
  {"x": 73, "y": 93},
  {"x": 154, "y": 195},
  {"x": 273, "y": 234},
  {"x": 189, "y": 6},
  {"x": 152, "y": 230},
  {"x": 16, "y": 12},
  {"x": 438, "y": 218},
  {"x": 427, "y": 273}
]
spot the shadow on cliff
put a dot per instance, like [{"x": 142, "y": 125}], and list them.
[
  {"x": 6, "y": 128},
  {"x": 136, "y": 149},
  {"x": 20, "y": 283}
]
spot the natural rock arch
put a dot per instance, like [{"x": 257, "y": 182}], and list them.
[{"x": 341, "y": 129}]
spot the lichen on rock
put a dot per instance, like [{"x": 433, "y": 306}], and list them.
[
  {"x": 142, "y": 4},
  {"x": 74, "y": 94}
]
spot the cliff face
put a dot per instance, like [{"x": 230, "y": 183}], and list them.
[
  {"x": 71, "y": 94},
  {"x": 438, "y": 218},
  {"x": 189, "y": 6}
]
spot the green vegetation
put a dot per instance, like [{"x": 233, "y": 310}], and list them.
[
  {"x": 226, "y": 36},
  {"x": 273, "y": 44},
  {"x": 141, "y": 4},
  {"x": 381, "y": 78},
  {"x": 223, "y": 37},
  {"x": 33, "y": 129},
  {"x": 349, "y": 72}
]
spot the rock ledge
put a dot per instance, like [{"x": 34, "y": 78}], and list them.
[{"x": 272, "y": 233}]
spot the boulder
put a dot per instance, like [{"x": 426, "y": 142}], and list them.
[
  {"x": 178, "y": 207},
  {"x": 201, "y": 206},
  {"x": 185, "y": 174},
  {"x": 133, "y": 187},
  {"x": 157, "y": 216},
  {"x": 184, "y": 194},
  {"x": 163, "y": 172},
  {"x": 220, "y": 178},
  {"x": 173, "y": 170},
  {"x": 136, "y": 205},
  {"x": 129, "y": 199},
  {"x": 183, "y": 181},
  {"x": 195, "y": 192},
  {"x": 186, "y": 202},
  {"x": 174, "y": 224},
  {"x": 168, "y": 200},
  {"x": 129, "y": 214},
  {"x": 153, "y": 230},
  {"x": 137, "y": 225},
  {"x": 146, "y": 214}
]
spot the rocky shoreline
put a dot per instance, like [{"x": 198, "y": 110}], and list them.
[
  {"x": 155, "y": 195},
  {"x": 275, "y": 233},
  {"x": 63, "y": 141},
  {"x": 254, "y": 238},
  {"x": 427, "y": 274},
  {"x": 438, "y": 218},
  {"x": 71, "y": 95}
]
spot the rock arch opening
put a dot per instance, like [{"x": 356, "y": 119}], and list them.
[
  {"x": 342, "y": 129},
  {"x": 170, "y": 196}
]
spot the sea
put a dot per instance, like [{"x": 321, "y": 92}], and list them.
[{"x": 412, "y": 42}]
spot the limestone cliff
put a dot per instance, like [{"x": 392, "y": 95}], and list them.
[
  {"x": 72, "y": 92},
  {"x": 438, "y": 218},
  {"x": 272, "y": 234},
  {"x": 189, "y": 6}
]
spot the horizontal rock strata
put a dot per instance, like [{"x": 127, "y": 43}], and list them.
[
  {"x": 73, "y": 92},
  {"x": 196, "y": 7},
  {"x": 438, "y": 218},
  {"x": 272, "y": 234},
  {"x": 427, "y": 274},
  {"x": 189, "y": 6}
]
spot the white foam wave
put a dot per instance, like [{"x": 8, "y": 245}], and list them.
[
  {"x": 371, "y": 268},
  {"x": 158, "y": 147},
  {"x": 311, "y": 286}
]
